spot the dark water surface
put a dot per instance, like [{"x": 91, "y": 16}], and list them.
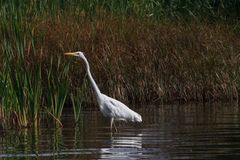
[{"x": 167, "y": 132}]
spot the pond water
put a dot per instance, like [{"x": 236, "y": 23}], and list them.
[{"x": 167, "y": 132}]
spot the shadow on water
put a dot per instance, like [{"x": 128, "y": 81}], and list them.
[{"x": 167, "y": 132}]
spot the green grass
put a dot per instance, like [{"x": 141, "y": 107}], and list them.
[{"x": 153, "y": 9}]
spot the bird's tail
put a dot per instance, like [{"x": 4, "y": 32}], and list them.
[{"x": 138, "y": 118}]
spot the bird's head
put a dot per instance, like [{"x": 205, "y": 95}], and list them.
[{"x": 76, "y": 54}]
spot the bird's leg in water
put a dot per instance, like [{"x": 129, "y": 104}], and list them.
[{"x": 113, "y": 124}]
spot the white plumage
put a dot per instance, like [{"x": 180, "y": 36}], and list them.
[
  {"x": 111, "y": 108},
  {"x": 119, "y": 111}
]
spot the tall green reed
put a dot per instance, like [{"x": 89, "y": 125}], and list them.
[
  {"x": 77, "y": 96},
  {"x": 58, "y": 85},
  {"x": 77, "y": 105},
  {"x": 23, "y": 87},
  {"x": 23, "y": 91}
]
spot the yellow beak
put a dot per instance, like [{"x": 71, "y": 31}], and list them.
[{"x": 70, "y": 54}]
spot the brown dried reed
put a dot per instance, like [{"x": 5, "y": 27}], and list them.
[{"x": 143, "y": 61}]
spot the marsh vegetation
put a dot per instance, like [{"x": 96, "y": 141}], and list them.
[{"x": 139, "y": 51}]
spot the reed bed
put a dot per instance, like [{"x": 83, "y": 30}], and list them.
[
  {"x": 139, "y": 52},
  {"x": 146, "y": 62}
]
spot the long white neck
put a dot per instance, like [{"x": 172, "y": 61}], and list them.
[{"x": 95, "y": 87}]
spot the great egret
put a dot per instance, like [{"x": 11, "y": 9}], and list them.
[{"x": 111, "y": 108}]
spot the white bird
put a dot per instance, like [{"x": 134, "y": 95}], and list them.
[{"x": 111, "y": 108}]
